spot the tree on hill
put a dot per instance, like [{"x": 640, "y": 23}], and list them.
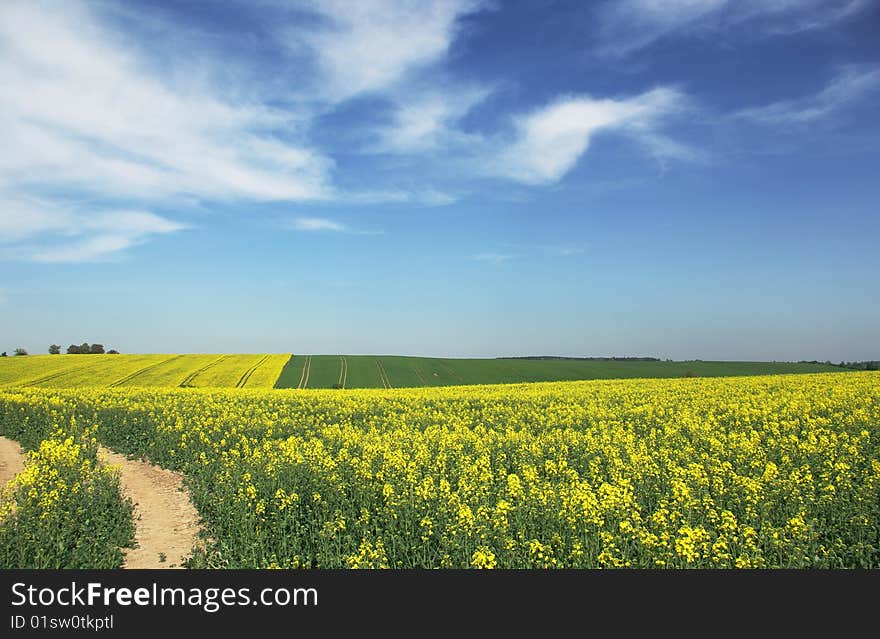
[
  {"x": 3, "y": 354},
  {"x": 19, "y": 351},
  {"x": 871, "y": 365},
  {"x": 54, "y": 349},
  {"x": 113, "y": 351},
  {"x": 88, "y": 349}
]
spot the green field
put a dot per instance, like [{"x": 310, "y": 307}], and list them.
[{"x": 366, "y": 371}]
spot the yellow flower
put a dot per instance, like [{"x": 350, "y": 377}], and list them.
[{"x": 482, "y": 557}]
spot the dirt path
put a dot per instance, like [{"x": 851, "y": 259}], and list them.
[
  {"x": 165, "y": 519},
  {"x": 11, "y": 460}
]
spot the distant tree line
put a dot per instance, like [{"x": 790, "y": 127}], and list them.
[
  {"x": 871, "y": 365},
  {"x": 868, "y": 365},
  {"x": 17, "y": 352},
  {"x": 587, "y": 359},
  {"x": 83, "y": 349}
]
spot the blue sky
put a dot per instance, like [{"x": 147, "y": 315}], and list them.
[{"x": 684, "y": 179}]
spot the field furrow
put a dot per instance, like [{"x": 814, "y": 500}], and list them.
[
  {"x": 386, "y": 383},
  {"x": 189, "y": 379},
  {"x": 268, "y": 373},
  {"x": 243, "y": 380},
  {"x": 131, "y": 376},
  {"x": 343, "y": 372},
  {"x": 304, "y": 380}
]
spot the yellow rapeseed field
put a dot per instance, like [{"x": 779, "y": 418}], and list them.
[
  {"x": 64, "y": 510},
  {"x": 243, "y": 371},
  {"x": 168, "y": 371},
  {"x": 773, "y": 471}
]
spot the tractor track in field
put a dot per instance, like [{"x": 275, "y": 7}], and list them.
[
  {"x": 304, "y": 378},
  {"x": 189, "y": 379},
  {"x": 11, "y": 460},
  {"x": 128, "y": 378},
  {"x": 383, "y": 376},
  {"x": 343, "y": 371},
  {"x": 451, "y": 372},
  {"x": 421, "y": 377},
  {"x": 247, "y": 374},
  {"x": 51, "y": 376}
]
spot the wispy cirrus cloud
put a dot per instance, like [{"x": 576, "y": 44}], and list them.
[
  {"x": 372, "y": 45},
  {"x": 85, "y": 116},
  {"x": 543, "y": 250},
  {"x": 81, "y": 110},
  {"x": 849, "y": 86},
  {"x": 392, "y": 51},
  {"x": 418, "y": 196},
  {"x": 564, "y": 250},
  {"x": 44, "y": 231},
  {"x": 626, "y": 26},
  {"x": 428, "y": 120},
  {"x": 493, "y": 258},
  {"x": 548, "y": 142},
  {"x": 321, "y": 224},
  {"x": 317, "y": 224},
  {"x": 786, "y": 17},
  {"x": 97, "y": 248}
]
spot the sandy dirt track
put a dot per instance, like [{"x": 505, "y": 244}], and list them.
[
  {"x": 167, "y": 524},
  {"x": 11, "y": 460}
]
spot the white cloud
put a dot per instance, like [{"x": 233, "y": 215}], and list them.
[
  {"x": 89, "y": 115},
  {"x": 422, "y": 197},
  {"x": 317, "y": 224},
  {"x": 433, "y": 197},
  {"x": 493, "y": 258},
  {"x": 629, "y": 25},
  {"x": 371, "y": 45},
  {"x": 784, "y": 17},
  {"x": 132, "y": 223},
  {"x": 567, "y": 251},
  {"x": 313, "y": 224},
  {"x": 428, "y": 121},
  {"x": 548, "y": 142},
  {"x": 848, "y": 86},
  {"x": 80, "y": 109},
  {"x": 45, "y": 231},
  {"x": 94, "y": 249},
  {"x": 556, "y": 250},
  {"x": 22, "y": 217},
  {"x": 84, "y": 116}
]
